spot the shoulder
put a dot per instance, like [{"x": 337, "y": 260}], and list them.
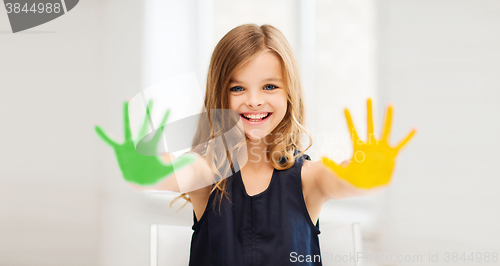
[{"x": 310, "y": 172}]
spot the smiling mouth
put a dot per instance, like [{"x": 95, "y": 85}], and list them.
[{"x": 256, "y": 117}]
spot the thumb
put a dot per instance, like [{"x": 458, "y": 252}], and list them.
[
  {"x": 332, "y": 165},
  {"x": 104, "y": 137}
]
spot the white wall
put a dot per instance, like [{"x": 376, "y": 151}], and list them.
[
  {"x": 51, "y": 81},
  {"x": 439, "y": 63}
]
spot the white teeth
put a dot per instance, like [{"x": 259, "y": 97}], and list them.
[{"x": 255, "y": 116}]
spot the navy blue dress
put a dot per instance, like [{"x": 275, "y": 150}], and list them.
[{"x": 270, "y": 228}]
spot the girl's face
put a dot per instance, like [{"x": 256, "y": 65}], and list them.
[{"x": 257, "y": 94}]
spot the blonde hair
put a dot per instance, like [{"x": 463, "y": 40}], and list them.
[{"x": 237, "y": 47}]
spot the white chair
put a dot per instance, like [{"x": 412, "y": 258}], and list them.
[
  {"x": 170, "y": 245},
  {"x": 339, "y": 243}
]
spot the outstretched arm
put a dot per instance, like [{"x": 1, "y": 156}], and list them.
[
  {"x": 183, "y": 174},
  {"x": 371, "y": 166}
]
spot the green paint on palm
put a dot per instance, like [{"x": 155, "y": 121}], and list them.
[{"x": 137, "y": 168}]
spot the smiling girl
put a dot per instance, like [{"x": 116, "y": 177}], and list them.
[{"x": 272, "y": 204}]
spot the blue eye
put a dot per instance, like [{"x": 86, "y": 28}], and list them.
[
  {"x": 267, "y": 86},
  {"x": 237, "y": 88}
]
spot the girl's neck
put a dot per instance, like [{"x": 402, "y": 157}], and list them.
[{"x": 257, "y": 155}]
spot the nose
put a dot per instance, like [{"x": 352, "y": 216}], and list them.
[{"x": 254, "y": 99}]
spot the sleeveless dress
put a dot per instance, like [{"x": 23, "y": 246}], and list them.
[{"x": 269, "y": 228}]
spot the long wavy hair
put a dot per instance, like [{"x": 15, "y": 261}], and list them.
[{"x": 237, "y": 47}]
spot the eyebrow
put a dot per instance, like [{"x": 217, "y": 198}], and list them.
[{"x": 268, "y": 79}]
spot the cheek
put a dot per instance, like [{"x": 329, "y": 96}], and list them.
[
  {"x": 233, "y": 103},
  {"x": 282, "y": 104},
  {"x": 285, "y": 104}
]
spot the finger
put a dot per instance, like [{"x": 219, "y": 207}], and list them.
[
  {"x": 100, "y": 132},
  {"x": 165, "y": 117},
  {"x": 126, "y": 123},
  {"x": 403, "y": 142},
  {"x": 150, "y": 105},
  {"x": 369, "y": 136},
  {"x": 161, "y": 128},
  {"x": 332, "y": 165},
  {"x": 387, "y": 124},
  {"x": 352, "y": 129},
  {"x": 145, "y": 123}
]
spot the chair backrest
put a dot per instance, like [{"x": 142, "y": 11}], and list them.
[
  {"x": 339, "y": 243},
  {"x": 170, "y": 245}
]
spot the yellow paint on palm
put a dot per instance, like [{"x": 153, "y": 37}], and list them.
[{"x": 373, "y": 160}]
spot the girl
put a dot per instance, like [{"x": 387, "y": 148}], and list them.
[{"x": 267, "y": 212}]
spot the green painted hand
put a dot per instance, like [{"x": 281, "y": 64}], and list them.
[
  {"x": 373, "y": 161},
  {"x": 137, "y": 168}
]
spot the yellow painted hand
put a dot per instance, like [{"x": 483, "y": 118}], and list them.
[{"x": 373, "y": 161}]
